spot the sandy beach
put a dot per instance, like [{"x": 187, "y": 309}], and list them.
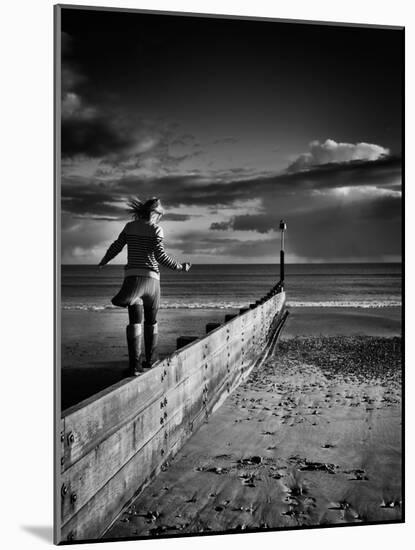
[
  {"x": 94, "y": 348},
  {"x": 311, "y": 438},
  {"x": 94, "y": 353}
]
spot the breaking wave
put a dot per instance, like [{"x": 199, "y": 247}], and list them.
[
  {"x": 346, "y": 303},
  {"x": 365, "y": 304}
]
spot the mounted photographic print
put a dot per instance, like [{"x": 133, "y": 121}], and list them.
[{"x": 228, "y": 328}]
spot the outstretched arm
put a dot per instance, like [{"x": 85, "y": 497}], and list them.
[
  {"x": 160, "y": 254},
  {"x": 115, "y": 248}
]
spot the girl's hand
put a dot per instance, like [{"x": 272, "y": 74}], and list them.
[{"x": 186, "y": 266}]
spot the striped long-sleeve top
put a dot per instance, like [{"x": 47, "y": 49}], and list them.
[{"x": 144, "y": 248}]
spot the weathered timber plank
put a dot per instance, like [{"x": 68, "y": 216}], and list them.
[
  {"x": 86, "y": 476},
  {"x": 62, "y": 444},
  {"x": 93, "y": 519},
  {"x": 183, "y": 362},
  {"x": 120, "y": 446},
  {"x": 193, "y": 381},
  {"x": 216, "y": 371},
  {"x": 86, "y": 427},
  {"x": 183, "y": 396}
]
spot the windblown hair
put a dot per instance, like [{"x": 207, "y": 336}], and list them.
[{"x": 142, "y": 210}]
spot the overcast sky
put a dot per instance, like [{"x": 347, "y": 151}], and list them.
[{"x": 234, "y": 124}]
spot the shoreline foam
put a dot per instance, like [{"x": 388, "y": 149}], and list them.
[{"x": 363, "y": 304}]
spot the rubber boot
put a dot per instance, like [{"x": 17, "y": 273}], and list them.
[
  {"x": 134, "y": 348},
  {"x": 150, "y": 344}
]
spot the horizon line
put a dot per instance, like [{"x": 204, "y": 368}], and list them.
[{"x": 258, "y": 263}]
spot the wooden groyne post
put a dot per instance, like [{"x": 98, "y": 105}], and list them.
[
  {"x": 283, "y": 228},
  {"x": 113, "y": 443}
]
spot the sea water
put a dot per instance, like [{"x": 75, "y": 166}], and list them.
[
  {"x": 323, "y": 299},
  {"x": 85, "y": 287}
]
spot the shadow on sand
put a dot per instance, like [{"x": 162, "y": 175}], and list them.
[{"x": 78, "y": 383}]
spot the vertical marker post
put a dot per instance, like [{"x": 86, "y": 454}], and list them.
[{"x": 283, "y": 227}]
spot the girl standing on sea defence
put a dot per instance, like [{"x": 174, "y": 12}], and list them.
[{"x": 144, "y": 239}]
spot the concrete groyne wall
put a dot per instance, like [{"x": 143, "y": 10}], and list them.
[{"x": 115, "y": 442}]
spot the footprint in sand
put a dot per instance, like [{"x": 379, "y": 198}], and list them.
[
  {"x": 251, "y": 460},
  {"x": 358, "y": 474}
]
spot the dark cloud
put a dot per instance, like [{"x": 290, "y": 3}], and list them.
[
  {"x": 80, "y": 237},
  {"x": 175, "y": 217},
  {"x": 370, "y": 229},
  {"x": 209, "y": 245},
  {"x": 123, "y": 144},
  {"x": 225, "y": 140},
  {"x": 88, "y": 128},
  {"x": 185, "y": 140},
  {"x": 120, "y": 214},
  {"x": 66, "y": 43},
  {"x": 142, "y": 104},
  {"x": 221, "y": 226},
  {"x": 96, "y": 125},
  {"x": 324, "y": 222},
  {"x": 202, "y": 243},
  {"x": 81, "y": 195},
  {"x": 97, "y": 218},
  {"x": 381, "y": 209},
  {"x": 93, "y": 126},
  {"x": 262, "y": 223},
  {"x": 252, "y": 248},
  {"x": 94, "y": 137},
  {"x": 383, "y": 171},
  {"x": 342, "y": 211},
  {"x": 99, "y": 202}
]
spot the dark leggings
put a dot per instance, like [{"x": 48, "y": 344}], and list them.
[{"x": 135, "y": 314}]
